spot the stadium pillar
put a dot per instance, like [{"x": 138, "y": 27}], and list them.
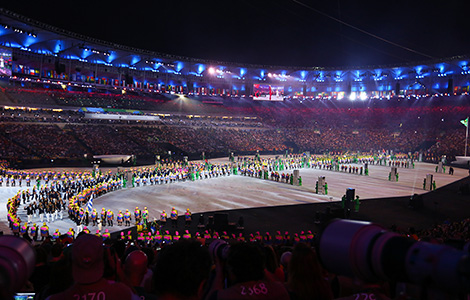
[
  {"x": 397, "y": 88},
  {"x": 247, "y": 90}
]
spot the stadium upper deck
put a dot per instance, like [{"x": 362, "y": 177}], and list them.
[{"x": 38, "y": 51}]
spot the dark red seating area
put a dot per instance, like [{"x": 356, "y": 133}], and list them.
[
  {"x": 242, "y": 126},
  {"x": 46, "y": 97}
]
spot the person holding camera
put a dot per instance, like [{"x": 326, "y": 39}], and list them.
[{"x": 242, "y": 267}]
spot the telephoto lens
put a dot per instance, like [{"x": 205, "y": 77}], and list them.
[
  {"x": 371, "y": 253},
  {"x": 17, "y": 262}
]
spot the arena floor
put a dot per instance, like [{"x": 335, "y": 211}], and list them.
[{"x": 241, "y": 192}]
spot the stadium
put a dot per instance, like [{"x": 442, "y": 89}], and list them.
[{"x": 92, "y": 130}]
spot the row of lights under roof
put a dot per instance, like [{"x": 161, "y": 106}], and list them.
[
  {"x": 282, "y": 77},
  {"x": 94, "y": 51},
  {"x": 18, "y": 30},
  {"x": 212, "y": 70}
]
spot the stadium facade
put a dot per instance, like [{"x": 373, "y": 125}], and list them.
[{"x": 35, "y": 51}]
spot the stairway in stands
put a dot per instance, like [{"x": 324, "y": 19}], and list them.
[{"x": 75, "y": 136}]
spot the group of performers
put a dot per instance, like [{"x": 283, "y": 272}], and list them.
[{"x": 55, "y": 193}]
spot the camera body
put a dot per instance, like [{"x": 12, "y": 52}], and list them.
[{"x": 371, "y": 253}]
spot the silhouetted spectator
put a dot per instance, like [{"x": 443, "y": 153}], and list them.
[
  {"x": 181, "y": 270},
  {"x": 245, "y": 276},
  {"x": 135, "y": 267},
  {"x": 307, "y": 279},
  {"x": 87, "y": 272},
  {"x": 285, "y": 260}
]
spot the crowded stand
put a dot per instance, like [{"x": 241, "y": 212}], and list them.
[
  {"x": 14, "y": 114},
  {"x": 36, "y": 96},
  {"x": 10, "y": 150},
  {"x": 43, "y": 141},
  {"x": 84, "y": 99},
  {"x": 165, "y": 122},
  {"x": 104, "y": 139},
  {"x": 48, "y": 97},
  {"x": 352, "y": 130}
]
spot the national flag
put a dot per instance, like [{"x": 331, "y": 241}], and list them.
[
  {"x": 89, "y": 204},
  {"x": 464, "y": 122}
]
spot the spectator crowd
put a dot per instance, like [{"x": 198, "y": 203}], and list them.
[{"x": 209, "y": 267}]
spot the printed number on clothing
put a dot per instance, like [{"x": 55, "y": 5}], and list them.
[
  {"x": 256, "y": 290},
  {"x": 90, "y": 296},
  {"x": 364, "y": 296}
]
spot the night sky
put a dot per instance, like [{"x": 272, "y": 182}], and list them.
[{"x": 281, "y": 33}]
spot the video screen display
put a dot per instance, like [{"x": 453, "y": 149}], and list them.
[
  {"x": 268, "y": 92},
  {"x": 5, "y": 62}
]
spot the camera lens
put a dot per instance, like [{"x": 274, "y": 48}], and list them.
[
  {"x": 17, "y": 261},
  {"x": 219, "y": 248},
  {"x": 442, "y": 265},
  {"x": 367, "y": 251},
  {"x": 346, "y": 247}
]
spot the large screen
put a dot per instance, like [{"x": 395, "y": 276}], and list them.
[
  {"x": 5, "y": 62},
  {"x": 268, "y": 92}
]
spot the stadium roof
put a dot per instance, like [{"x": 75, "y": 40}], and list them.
[{"x": 280, "y": 33}]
